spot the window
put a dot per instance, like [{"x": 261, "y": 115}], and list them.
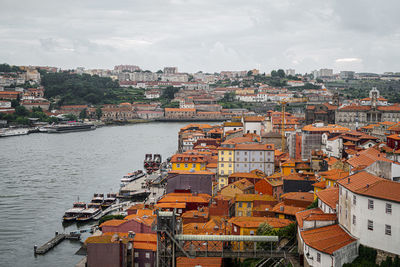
[
  {"x": 230, "y": 159},
  {"x": 340, "y": 189},
  {"x": 234, "y": 228},
  {"x": 248, "y": 213},
  {"x": 178, "y": 165},
  {"x": 222, "y": 152},
  {"x": 346, "y": 194},
  {"x": 318, "y": 257},
  {"x": 222, "y": 165},
  {"x": 354, "y": 219},
  {"x": 136, "y": 254},
  {"x": 194, "y": 165},
  {"x": 388, "y": 208},
  {"x": 354, "y": 200},
  {"x": 370, "y": 204},
  {"x": 230, "y": 164},
  {"x": 240, "y": 204},
  {"x": 230, "y": 152},
  {"x": 370, "y": 225},
  {"x": 245, "y": 153},
  {"x": 388, "y": 229},
  {"x": 260, "y": 152},
  {"x": 252, "y": 232},
  {"x": 147, "y": 255},
  {"x": 222, "y": 172},
  {"x": 222, "y": 159}
]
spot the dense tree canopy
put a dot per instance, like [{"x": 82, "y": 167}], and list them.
[
  {"x": 78, "y": 89},
  {"x": 8, "y": 68}
]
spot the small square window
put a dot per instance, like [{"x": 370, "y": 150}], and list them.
[
  {"x": 370, "y": 204},
  {"x": 147, "y": 255},
  {"x": 388, "y": 208},
  {"x": 178, "y": 165},
  {"x": 318, "y": 257},
  {"x": 388, "y": 229},
  {"x": 370, "y": 225},
  {"x": 186, "y": 165}
]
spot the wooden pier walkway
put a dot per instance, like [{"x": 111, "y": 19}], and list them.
[{"x": 57, "y": 239}]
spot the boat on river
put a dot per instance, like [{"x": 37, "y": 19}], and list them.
[
  {"x": 87, "y": 214},
  {"x": 130, "y": 177},
  {"x": 109, "y": 200},
  {"x": 71, "y": 127},
  {"x": 6, "y": 132},
  {"x": 98, "y": 198},
  {"x": 74, "y": 212}
]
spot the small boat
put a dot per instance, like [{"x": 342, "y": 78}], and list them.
[
  {"x": 92, "y": 210},
  {"x": 75, "y": 212},
  {"x": 71, "y": 127},
  {"x": 98, "y": 198},
  {"x": 13, "y": 132},
  {"x": 109, "y": 200},
  {"x": 130, "y": 177}
]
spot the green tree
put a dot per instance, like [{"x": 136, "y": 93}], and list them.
[
  {"x": 99, "y": 113},
  {"x": 249, "y": 73},
  {"x": 274, "y": 74},
  {"x": 21, "y": 111},
  {"x": 169, "y": 92},
  {"x": 281, "y": 73},
  {"x": 70, "y": 117},
  {"x": 313, "y": 205},
  {"x": 83, "y": 114},
  {"x": 14, "y": 103},
  {"x": 22, "y": 120}
]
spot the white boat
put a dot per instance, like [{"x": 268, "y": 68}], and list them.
[
  {"x": 92, "y": 210},
  {"x": 130, "y": 177},
  {"x": 6, "y": 132},
  {"x": 74, "y": 212},
  {"x": 71, "y": 127}
]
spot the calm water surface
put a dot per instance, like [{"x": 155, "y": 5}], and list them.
[{"x": 41, "y": 175}]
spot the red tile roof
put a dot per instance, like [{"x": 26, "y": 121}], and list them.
[
  {"x": 366, "y": 184},
  {"x": 327, "y": 239},
  {"x": 329, "y": 196}
]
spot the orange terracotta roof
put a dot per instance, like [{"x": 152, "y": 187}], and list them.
[
  {"x": 334, "y": 174},
  {"x": 254, "y": 222},
  {"x": 367, "y": 157},
  {"x": 286, "y": 209},
  {"x": 305, "y": 213},
  {"x": 327, "y": 239},
  {"x": 303, "y": 196},
  {"x": 394, "y": 136},
  {"x": 254, "y": 146},
  {"x": 243, "y": 184},
  {"x": 244, "y": 175},
  {"x": 184, "y": 197},
  {"x": 254, "y": 119},
  {"x": 252, "y": 197},
  {"x": 321, "y": 217},
  {"x": 366, "y": 184},
  {"x": 233, "y": 124},
  {"x": 331, "y": 160},
  {"x": 113, "y": 223},
  {"x": 196, "y": 213},
  {"x": 329, "y": 196},
  {"x": 321, "y": 184},
  {"x": 326, "y": 128},
  {"x": 171, "y": 205},
  {"x": 145, "y": 246}
]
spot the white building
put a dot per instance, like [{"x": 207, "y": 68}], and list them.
[
  {"x": 322, "y": 242},
  {"x": 253, "y": 124},
  {"x": 290, "y": 72},
  {"x": 332, "y": 147},
  {"x": 369, "y": 209}
]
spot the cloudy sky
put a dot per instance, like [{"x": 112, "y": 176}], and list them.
[{"x": 207, "y": 35}]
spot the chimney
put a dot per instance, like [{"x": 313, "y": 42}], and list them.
[{"x": 348, "y": 180}]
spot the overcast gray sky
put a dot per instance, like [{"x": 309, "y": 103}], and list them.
[{"x": 207, "y": 35}]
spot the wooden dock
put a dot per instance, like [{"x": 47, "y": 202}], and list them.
[{"x": 57, "y": 239}]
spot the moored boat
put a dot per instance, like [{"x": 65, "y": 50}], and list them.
[
  {"x": 92, "y": 210},
  {"x": 71, "y": 127},
  {"x": 109, "y": 200},
  {"x": 130, "y": 177},
  {"x": 6, "y": 132},
  {"x": 98, "y": 198},
  {"x": 74, "y": 212}
]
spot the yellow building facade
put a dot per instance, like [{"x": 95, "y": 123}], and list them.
[{"x": 226, "y": 159}]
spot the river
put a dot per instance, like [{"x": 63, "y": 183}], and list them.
[{"x": 41, "y": 175}]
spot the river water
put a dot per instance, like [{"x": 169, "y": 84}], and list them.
[{"x": 41, "y": 175}]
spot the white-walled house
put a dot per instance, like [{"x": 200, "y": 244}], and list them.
[
  {"x": 332, "y": 147},
  {"x": 253, "y": 124},
  {"x": 369, "y": 209},
  {"x": 327, "y": 199}
]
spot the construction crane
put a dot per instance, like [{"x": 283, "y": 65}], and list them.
[{"x": 283, "y": 103}]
